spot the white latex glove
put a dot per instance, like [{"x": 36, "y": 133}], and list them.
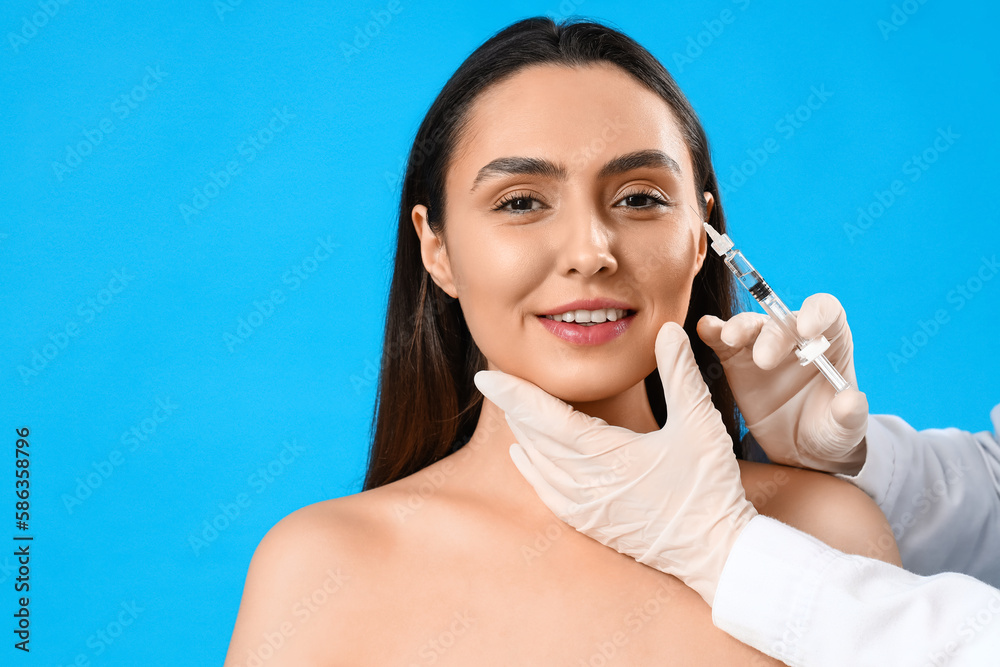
[
  {"x": 672, "y": 499},
  {"x": 791, "y": 410}
]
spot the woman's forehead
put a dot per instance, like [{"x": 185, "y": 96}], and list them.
[{"x": 578, "y": 117}]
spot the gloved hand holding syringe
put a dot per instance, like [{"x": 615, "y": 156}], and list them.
[
  {"x": 808, "y": 351},
  {"x": 794, "y": 416}
]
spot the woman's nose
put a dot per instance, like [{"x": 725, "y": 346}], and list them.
[{"x": 586, "y": 248}]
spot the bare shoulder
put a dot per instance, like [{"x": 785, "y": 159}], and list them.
[
  {"x": 826, "y": 507},
  {"x": 303, "y": 582}
]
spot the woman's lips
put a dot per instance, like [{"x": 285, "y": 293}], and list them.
[{"x": 595, "y": 334}]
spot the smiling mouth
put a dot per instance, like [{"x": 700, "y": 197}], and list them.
[{"x": 590, "y": 318}]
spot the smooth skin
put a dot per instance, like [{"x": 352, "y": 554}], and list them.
[{"x": 461, "y": 563}]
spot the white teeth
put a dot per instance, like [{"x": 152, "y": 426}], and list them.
[{"x": 590, "y": 316}]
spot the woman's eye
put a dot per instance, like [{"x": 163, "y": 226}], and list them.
[
  {"x": 642, "y": 199},
  {"x": 518, "y": 203}
]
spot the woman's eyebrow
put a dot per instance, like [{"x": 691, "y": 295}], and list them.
[
  {"x": 638, "y": 159},
  {"x": 509, "y": 166},
  {"x": 531, "y": 166}
]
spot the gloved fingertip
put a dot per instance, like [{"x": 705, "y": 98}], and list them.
[
  {"x": 728, "y": 335},
  {"x": 742, "y": 329},
  {"x": 488, "y": 382},
  {"x": 521, "y": 461},
  {"x": 772, "y": 345},
  {"x": 517, "y": 454},
  {"x": 683, "y": 385},
  {"x": 819, "y": 312},
  {"x": 765, "y": 355},
  {"x": 850, "y": 408},
  {"x": 709, "y": 330},
  {"x": 710, "y": 321},
  {"x": 514, "y": 428},
  {"x": 671, "y": 342},
  {"x": 671, "y": 332},
  {"x": 508, "y": 392}
]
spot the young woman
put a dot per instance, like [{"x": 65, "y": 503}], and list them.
[{"x": 560, "y": 170}]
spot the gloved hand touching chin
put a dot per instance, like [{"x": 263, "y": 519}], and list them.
[
  {"x": 791, "y": 410},
  {"x": 672, "y": 499}
]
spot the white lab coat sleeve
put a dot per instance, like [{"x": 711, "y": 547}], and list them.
[
  {"x": 798, "y": 600},
  {"x": 940, "y": 490}
]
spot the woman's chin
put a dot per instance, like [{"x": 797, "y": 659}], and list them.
[{"x": 581, "y": 391}]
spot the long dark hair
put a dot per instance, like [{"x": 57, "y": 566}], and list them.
[{"x": 427, "y": 403}]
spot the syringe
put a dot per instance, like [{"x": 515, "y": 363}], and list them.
[{"x": 808, "y": 351}]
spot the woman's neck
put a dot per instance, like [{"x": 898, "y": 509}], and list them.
[{"x": 487, "y": 471}]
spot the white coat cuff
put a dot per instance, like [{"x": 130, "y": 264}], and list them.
[
  {"x": 875, "y": 476},
  {"x": 768, "y": 587}
]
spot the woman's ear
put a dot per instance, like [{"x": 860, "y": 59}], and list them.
[
  {"x": 433, "y": 252},
  {"x": 702, "y": 234}
]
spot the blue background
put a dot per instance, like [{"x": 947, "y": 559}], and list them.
[{"x": 296, "y": 396}]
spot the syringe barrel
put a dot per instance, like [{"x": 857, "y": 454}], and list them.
[
  {"x": 830, "y": 372},
  {"x": 785, "y": 318},
  {"x": 763, "y": 294}
]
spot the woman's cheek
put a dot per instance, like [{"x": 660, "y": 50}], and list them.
[{"x": 664, "y": 264}]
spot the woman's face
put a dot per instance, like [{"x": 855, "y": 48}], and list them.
[{"x": 570, "y": 184}]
